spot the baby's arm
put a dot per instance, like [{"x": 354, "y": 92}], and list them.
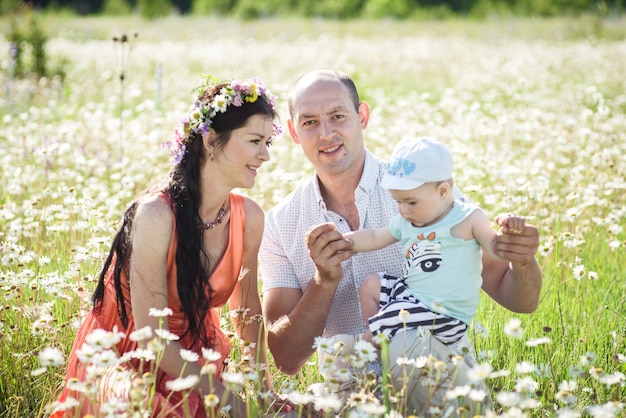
[
  {"x": 370, "y": 239},
  {"x": 485, "y": 234}
]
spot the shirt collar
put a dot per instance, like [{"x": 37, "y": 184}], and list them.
[{"x": 370, "y": 179}]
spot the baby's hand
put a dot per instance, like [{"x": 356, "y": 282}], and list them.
[{"x": 510, "y": 223}]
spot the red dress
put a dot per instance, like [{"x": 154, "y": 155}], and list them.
[{"x": 223, "y": 280}]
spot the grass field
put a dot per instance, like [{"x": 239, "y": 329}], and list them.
[{"x": 533, "y": 111}]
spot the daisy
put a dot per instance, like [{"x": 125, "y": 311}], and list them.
[
  {"x": 545, "y": 249},
  {"x": 508, "y": 399},
  {"x": 612, "y": 379},
  {"x": 526, "y": 385},
  {"x": 182, "y": 383},
  {"x": 615, "y": 244},
  {"x": 114, "y": 407},
  {"x": 189, "y": 356},
  {"x": 572, "y": 214},
  {"x": 499, "y": 373},
  {"x": 102, "y": 339},
  {"x": 298, "y": 398},
  {"x": 587, "y": 359},
  {"x": 366, "y": 350},
  {"x": 166, "y": 335},
  {"x": 51, "y": 356},
  {"x": 208, "y": 369},
  {"x": 141, "y": 334},
  {"x": 458, "y": 391},
  {"x": 160, "y": 313},
  {"x": 210, "y": 355},
  {"x": 579, "y": 271},
  {"x": 479, "y": 372},
  {"x": 529, "y": 403},
  {"x": 106, "y": 358},
  {"x": 328, "y": 403},
  {"x": 513, "y": 328},
  {"x": 525, "y": 367},
  {"x": 211, "y": 400},
  {"x": 403, "y": 316},
  {"x": 343, "y": 375},
  {"x": 439, "y": 308},
  {"x": 477, "y": 395},
  {"x": 233, "y": 378},
  {"x": 538, "y": 341}
]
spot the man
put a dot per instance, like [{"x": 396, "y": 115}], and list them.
[{"x": 311, "y": 277}]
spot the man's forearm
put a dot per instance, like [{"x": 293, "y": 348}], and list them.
[
  {"x": 291, "y": 337},
  {"x": 522, "y": 287}
]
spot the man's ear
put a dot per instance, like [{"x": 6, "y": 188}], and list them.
[
  {"x": 364, "y": 114},
  {"x": 292, "y": 131}
]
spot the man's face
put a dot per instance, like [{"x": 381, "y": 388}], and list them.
[{"x": 327, "y": 126}]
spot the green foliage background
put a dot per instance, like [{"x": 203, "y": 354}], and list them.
[{"x": 336, "y": 9}]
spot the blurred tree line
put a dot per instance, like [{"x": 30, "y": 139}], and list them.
[{"x": 338, "y": 9}]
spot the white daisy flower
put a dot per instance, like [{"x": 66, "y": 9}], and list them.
[
  {"x": 513, "y": 328},
  {"x": 189, "y": 356},
  {"x": 51, "y": 356},
  {"x": 182, "y": 383},
  {"x": 160, "y": 313}
]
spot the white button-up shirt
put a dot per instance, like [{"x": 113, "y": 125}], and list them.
[{"x": 284, "y": 256}]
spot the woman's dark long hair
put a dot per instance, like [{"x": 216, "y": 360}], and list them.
[{"x": 184, "y": 190}]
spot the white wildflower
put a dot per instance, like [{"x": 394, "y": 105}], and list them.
[
  {"x": 182, "y": 383},
  {"x": 612, "y": 379},
  {"x": 189, "y": 356},
  {"x": 526, "y": 385},
  {"x": 579, "y": 271},
  {"x": 298, "y": 398},
  {"x": 51, "y": 356},
  {"x": 102, "y": 339},
  {"x": 160, "y": 313},
  {"x": 513, "y": 328},
  {"x": 141, "y": 334},
  {"x": 525, "y": 367},
  {"x": 538, "y": 341},
  {"x": 210, "y": 355},
  {"x": 233, "y": 378},
  {"x": 166, "y": 335},
  {"x": 508, "y": 399},
  {"x": 479, "y": 372},
  {"x": 328, "y": 403}
]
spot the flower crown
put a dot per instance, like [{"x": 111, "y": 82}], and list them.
[{"x": 199, "y": 120}]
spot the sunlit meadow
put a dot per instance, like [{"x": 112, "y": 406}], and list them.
[{"x": 534, "y": 113}]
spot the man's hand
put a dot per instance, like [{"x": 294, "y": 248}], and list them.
[
  {"x": 516, "y": 285},
  {"x": 519, "y": 248},
  {"x": 328, "y": 249}
]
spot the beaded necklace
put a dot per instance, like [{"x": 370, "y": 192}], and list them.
[{"x": 217, "y": 220}]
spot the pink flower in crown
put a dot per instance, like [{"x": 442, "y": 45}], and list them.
[
  {"x": 238, "y": 91},
  {"x": 278, "y": 129},
  {"x": 178, "y": 147}
]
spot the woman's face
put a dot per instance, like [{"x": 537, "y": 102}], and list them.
[{"x": 245, "y": 151}]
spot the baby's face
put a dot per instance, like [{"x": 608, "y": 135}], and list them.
[{"x": 425, "y": 204}]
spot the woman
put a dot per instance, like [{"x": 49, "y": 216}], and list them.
[{"x": 185, "y": 250}]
